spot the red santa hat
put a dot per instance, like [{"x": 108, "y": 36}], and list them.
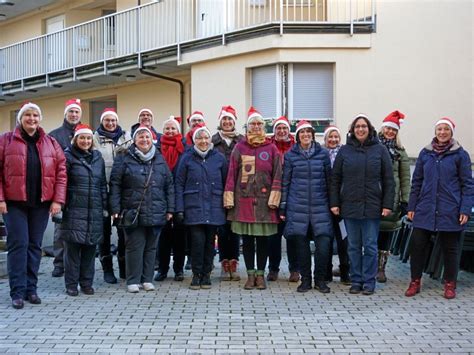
[
  {"x": 142, "y": 128},
  {"x": 28, "y": 106},
  {"x": 176, "y": 120},
  {"x": 108, "y": 111},
  {"x": 196, "y": 115},
  {"x": 73, "y": 103},
  {"x": 329, "y": 129},
  {"x": 393, "y": 120},
  {"x": 253, "y": 114},
  {"x": 301, "y": 125},
  {"x": 82, "y": 129},
  {"x": 448, "y": 121},
  {"x": 145, "y": 110},
  {"x": 227, "y": 111},
  {"x": 200, "y": 127},
  {"x": 280, "y": 120}
]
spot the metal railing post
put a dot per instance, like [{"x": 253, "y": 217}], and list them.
[
  {"x": 224, "y": 19},
  {"x": 104, "y": 49},
  {"x": 351, "y": 18},
  {"x": 281, "y": 17},
  {"x": 178, "y": 30},
  {"x": 138, "y": 37}
]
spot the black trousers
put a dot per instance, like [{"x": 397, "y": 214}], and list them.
[
  {"x": 384, "y": 240},
  {"x": 228, "y": 243},
  {"x": 202, "y": 249},
  {"x": 419, "y": 247},
  {"x": 321, "y": 254},
  {"x": 79, "y": 264},
  {"x": 172, "y": 240},
  {"x": 104, "y": 246},
  {"x": 341, "y": 249},
  {"x": 248, "y": 249}
]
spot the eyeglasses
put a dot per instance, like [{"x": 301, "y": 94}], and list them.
[{"x": 361, "y": 126}]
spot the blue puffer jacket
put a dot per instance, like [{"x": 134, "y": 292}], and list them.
[
  {"x": 127, "y": 183},
  {"x": 200, "y": 187},
  {"x": 442, "y": 188},
  {"x": 305, "y": 187}
]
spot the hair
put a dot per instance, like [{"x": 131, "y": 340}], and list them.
[
  {"x": 297, "y": 136},
  {"x": 372, "y": 131},
  {"x": 329, "y": 132},
  {"x": 398, "y": 141},
  {"x": 74, "y": 140}
]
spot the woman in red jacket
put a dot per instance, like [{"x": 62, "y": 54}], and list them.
[{"x": 32, "y": 187}]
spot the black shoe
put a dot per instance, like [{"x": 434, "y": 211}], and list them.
[
  {"x": 109, "y": 277},
  {"x": 355, "y": 289},
  {"x": 368, "y": 291},
  {"x": 178, "y": 276},
  {"x": 34, "y": 299},
  {"x": 346, "y": 280},
  {"x": 57, "y": 272},
  {"x": 304, "y": 286},
  {"x": 321, "y": 286},
  {"x": 18, "y": 303},
  {"x": 73, "y": 292},
  {"x": 87, "y": 290},
  {"x": 195, "y": 282},
  {"x": 160, "y": 276},
  {"x": 206, "y": 281}
]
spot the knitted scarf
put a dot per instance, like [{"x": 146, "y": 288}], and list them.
[
  {"x": 189, "y": 138},
  {"x": 227, "y": 137},
  {"x": 441, "y": 148},
  {"x": 391, "y": 145},
  {"x": 145, "y": 157},
  {"x": 115, "y": 135},
  {"x": 201, "y": 153},
  {"x": 171, "y": 148},
  {"x": 256, "y": 139}
]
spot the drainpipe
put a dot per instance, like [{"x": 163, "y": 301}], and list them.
[{"x": 181, "y": 91}]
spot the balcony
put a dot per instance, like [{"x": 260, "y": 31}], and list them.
[{"x": 114, "y": 47}]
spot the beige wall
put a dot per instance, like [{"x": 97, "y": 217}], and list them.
[{"x": 420, "y": 62}]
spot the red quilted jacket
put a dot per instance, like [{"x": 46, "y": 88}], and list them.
[{"x": 13, "y": 168}]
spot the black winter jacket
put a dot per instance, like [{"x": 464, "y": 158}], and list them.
[
  {"x": 127, "y": 183},
  {"x": 64, "y": 134},
  {"x": 221, "y": 145},
  {"x": 362, "y": 179},
  {"x": 86, "y": 198}
]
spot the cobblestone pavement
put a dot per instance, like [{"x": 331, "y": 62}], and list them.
[{"x": 228, "y": 319}]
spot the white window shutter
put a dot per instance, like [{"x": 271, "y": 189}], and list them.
[{"x": 265, "y": 89}]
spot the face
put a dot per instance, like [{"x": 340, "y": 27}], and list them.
[
  {"x": 195, "y": 121},
  {"x": 143, "y": 141},
  {"x": 227, "y": 124},
  {"x": 281, "y": 132},
  {"x": 202, "y": 141},
  {"x": 170, "y": 129},
  {"x": 256, "y": 127},
  {"x": 30, "y": 121},
  {"x": 73, "y": 116},
  {"x": 443, "y": 133},
  {"x": 146, "y": 118},
  {"x": 305, "y": 136},
  {"x": 333, "y": 139},
  {"x": 361, "y": 130},
  {"x": 110, "y": 123},
  {"x": 389, "y": 133},
  {"x": 84, "y": 141}
]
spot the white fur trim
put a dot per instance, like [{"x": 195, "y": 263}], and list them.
[
  {"x": 26, "y": 107},
  {"x": 205, "y": 129},
  {"x": 449, "y": 123},
  {"x": 146, "y": 110},
  {"x": 176, "y": 123},
  {"x": 108, "y": 113},
  {"x": 306, "y": 125},
  {"x": 391, "y": 124}
]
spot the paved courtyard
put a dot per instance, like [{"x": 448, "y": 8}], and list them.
[{"x": 228, "y": 319}]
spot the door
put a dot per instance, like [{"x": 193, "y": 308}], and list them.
[
  {"x": 56, "y": 43},
  {"x": 214, "y": 17},
  {"x": 95, "y": 109}
]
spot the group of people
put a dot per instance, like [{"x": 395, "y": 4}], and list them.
[{"x": 169, "y": 193}]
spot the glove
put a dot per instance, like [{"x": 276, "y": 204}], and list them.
[
  {"x": 178, "y": 218},
  {"x": 403, "y": 209}
]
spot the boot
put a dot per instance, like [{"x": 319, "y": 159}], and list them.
[
  {"x": 383, "y": 258},
  {"x": 250, "y": 284},
  {"x": 272, "y": 275},
  {"x": 225, "y": 270},
  {"x": 305, "y": 285},
  {"x": 121, "y": 264},
  {"x": 108, "y": 268},
  {"x": 195, "y": 282},
  {"x": 344, "y": 273},
  {"x": 234, "y": 270},
  {"x": 413, "y": 288},
  {"x": 449, "y": 289},
  {"x": 260, "y": 281}
]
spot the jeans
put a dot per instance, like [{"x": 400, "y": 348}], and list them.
[
  {"x": 79, "y": 264},
  {"x": 140, "y": 253},
  {"x": 58, "y": 249},
  {"x": 202, "y": 248},
  {"x": 228, "y": 243},
  {"x": 419, "y": 247},
  {"x": 341, "y": 250},
  {"x": 26, "y": 226},
  {"x": 274, "y": 251},
  {"x": 248, "y": 249},
  {"x": 362, "y": 237},
  {"x": 172, "y": 239},
  {"x": 321, "y": 254}
]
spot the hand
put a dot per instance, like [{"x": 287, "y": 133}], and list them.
[
  {"x": 55, "y": 208},
  {"x": 178, "y": 218},
  {"x": 3, "y": 207},
  {"x": 463, "y": 218},
  {"x": 386, "y": 212},
  {"x": 272, "y": 207},
  {"x": 410, "y": 215},
  {"x": 335, "y": 211},
  {"x": 169, "y": 216},
  {"x": 283, "y": 218}
]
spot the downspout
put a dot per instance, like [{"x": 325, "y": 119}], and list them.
[{"x": 181, "y": 91}]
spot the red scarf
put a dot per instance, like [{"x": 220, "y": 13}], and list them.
[
  {"x": 189, "y": 138},
  {"x": 284, "y": 146},
  {"x": 171, "y": 148}
]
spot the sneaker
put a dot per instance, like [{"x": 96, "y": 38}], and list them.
[
  {"x": 57, "y": 272},
  {"x": 449, "y": 289},
  {"x": 355, "y": 289},
  {"x": 368, "y": 291},
  {"x": 206, "y": 281},
  {"x": 148, "y": 286},
  {"x": 321, "y": 286},
  {"x": 133, "y": 288},
  {"x": 179, "y": 276},
  {"x": 413, "y": 288},
  {"x": 160, "y": 276},
  {"x": 195, "y": 282}
]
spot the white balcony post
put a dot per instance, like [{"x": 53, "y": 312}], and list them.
[
  {"x": 281, "y": 17},
  {"x": 139, "y": 15},
  {"x": 351, "y": 18},
  {"x": 104, "y": 45}
]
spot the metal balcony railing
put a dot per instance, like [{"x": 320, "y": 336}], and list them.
[{"x": 164, "y": 24}]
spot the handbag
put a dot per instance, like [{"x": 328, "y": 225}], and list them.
[{"x": 128, "y": 218}]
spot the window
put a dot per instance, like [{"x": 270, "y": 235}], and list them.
[{"x": 297, "y": 91}]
